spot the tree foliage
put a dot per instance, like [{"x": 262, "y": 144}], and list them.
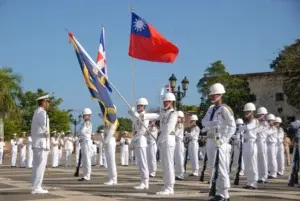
[
  {"x": 288, "y": 63},
  {"x": 237, "y": 88},
  {"x": 125, "y": 124}
]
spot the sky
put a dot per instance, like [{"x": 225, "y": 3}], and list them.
[{"x": 244, "y": 34}]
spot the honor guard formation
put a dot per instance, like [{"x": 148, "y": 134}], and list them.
[{"x": 251, "y": 147}]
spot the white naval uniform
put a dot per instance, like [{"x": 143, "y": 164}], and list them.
[
  {"x": 102, "y": 158},
  {"x": 222, "y": 126},
  {"x": 110, "y": 151},
  {"x": 140, "y": 142},
  {"x": 262, "y": 155},
  {"x": 179, "y": 151},
  {"x": 152, "y": 150},
  {"x": 166, "y": 143},
  {"x": 250, "y": 152},
  {"x": 29, "y": 152},
  {"x": 22, "y": 152},
  {"x": 40, "y": 145},
  {"x": 2, "y": 146},
  {"x": 271, "y": 143},
  {"x": 124, "y": 150},
  {"x": 193, "y": 149},
  {"x": 54, "y": 150},
  {"x": 69, "y": 147},
  {"x": 60, "y": 151},
  {"x": 280, "y": 152},
  {"x": 237, "y": 137},
  {"x": 84, "y": 135},
  {"x": 13, "y": 152}
]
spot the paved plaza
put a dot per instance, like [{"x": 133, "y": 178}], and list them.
[{"x": 63, "y": 186}]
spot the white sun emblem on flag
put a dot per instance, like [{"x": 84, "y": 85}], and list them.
[{"x": 139, "y": 25}]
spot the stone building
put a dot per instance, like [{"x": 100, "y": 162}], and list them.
[{"x": 268, "y": 89}]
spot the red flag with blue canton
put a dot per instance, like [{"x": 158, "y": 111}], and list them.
[{"x": 146, "y": 43}]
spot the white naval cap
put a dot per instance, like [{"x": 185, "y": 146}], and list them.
[{"x": 45, "y": 97}]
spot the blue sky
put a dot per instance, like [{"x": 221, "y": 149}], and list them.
[{"x": 243, "y": 34}]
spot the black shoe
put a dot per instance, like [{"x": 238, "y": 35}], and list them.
[
  {"x": 82, "y": 179},
  {"x": 178, "y": 178},
  {"x": 192, "y": 175},
  {"x": 271, "y": 177},
  {"x": 151, "y": 176},
  {"x": 219, "y": 198},
  {"x": 247, "y": 187},
  {"x": 260, "y": 181}
]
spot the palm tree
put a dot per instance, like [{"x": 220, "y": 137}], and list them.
[{"x": 10, "y": 92}]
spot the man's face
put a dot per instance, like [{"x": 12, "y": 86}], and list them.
[
  {"x": 140, "y": 108},
  {"x": 86, "y": 116},
  {"x": 167, "y": 104},
  {"x": 214, "y": 97}
]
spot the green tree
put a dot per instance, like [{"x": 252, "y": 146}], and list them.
[
  {"x": 59, "y": 119},
  {"x": 125, "y": 124},
  {"x": 10, "y": 90},
  {"x": 237, "y": 88},
  {"x": 190, "y": 108},
  {"x": 288, "y": 63}
]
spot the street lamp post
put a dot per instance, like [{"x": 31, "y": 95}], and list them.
[
  {"x": 179, "y": 94},
  {"x": 75, "y": 121}
]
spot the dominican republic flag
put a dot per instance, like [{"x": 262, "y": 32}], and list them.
[
  {"x": 168, "y": 88},
  {"x": 101, "y": 58}
]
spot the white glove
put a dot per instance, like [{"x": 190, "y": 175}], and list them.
[{"x": 47, "y": 134}]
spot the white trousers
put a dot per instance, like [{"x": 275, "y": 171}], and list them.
[
  {"x": 86, "y": 159},
  {"x": 229, "y": 150},
  {"x": 29, "y": 157},
  {"x": 179, "y": 159},
  {"x": 250, "y": 159},
  {"x": 151, "y": 157},
  {"x": 110, "y": 151},
  {"x": 68, "y": 158},
  {"x": 131, "y": 157},
  {"x": 167, "y": 163},
  {"x": 272, "y": 162},
  {"x": 94, "y": 156},
  {"x": 280, "y": 158},
  {"x": 102, "y": 158},
  {"x": 1, "y": 156},
  {"x": 141, "y": 159},
  {"x": 222, "y": 182},
  {"x": 13, "y": 158},
  {"x": 262, "y": 159},
  {"x": 210, "y": 149},
  {"x": 124, "y": 154},
  {"x": 193, "y": 155},
  {"x": 39, "y": 163},
  {"x": 55, "y": 157},
  {"x": 236, "y": 158},
  {"x": 22, "y": 159}
]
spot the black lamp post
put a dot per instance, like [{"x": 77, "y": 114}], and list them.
[
  {"x": 75, "y": 121},
  {"x": 179, "y": 94}
]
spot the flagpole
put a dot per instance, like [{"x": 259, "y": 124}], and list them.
[{"x": 133, "y": 98}]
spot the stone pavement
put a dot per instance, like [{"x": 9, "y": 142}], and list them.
[{"x": 15, "y": 186}]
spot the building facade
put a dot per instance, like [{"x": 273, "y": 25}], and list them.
[{"x": 268, "y": 89}]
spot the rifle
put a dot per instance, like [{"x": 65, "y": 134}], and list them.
[
  {"x": 237, "y": 175},
  {"x": 212, "y": 190},
  {"x": 78, "y": 165},
  {"x": 186, "y": 144},
  {"x": 294, "y": 174},
  {"x": 204, "y": 168}
]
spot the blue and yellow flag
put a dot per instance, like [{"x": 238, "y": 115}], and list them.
[{"x": 95, "y": 81}]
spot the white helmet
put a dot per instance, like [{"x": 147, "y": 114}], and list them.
[
  {"x": 194, "y": 118},
  {"x": 142, "y": 101},
  {"x": 169, "y": 97},
  {"x": 239, "y": 121},
  {"x": 262, "y": 110},
  {"x": 249, "y": 107},
  {"x": 216, "y": 88},
  {"x": 278, "y": 120},
  {"x": 180, "y": 114},
  {"x": 270, "y": 117},
  {"x": 87, "y": 111}
]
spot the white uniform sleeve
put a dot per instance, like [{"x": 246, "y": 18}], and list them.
[
  {"x": 229, "y": 120},
  {"x": 42, "y": 121}
]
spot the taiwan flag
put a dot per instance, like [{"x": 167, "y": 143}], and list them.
[{"x": 146, "y": 43}]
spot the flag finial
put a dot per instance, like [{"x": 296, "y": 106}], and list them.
[
  {"x": 132, "y": 9},
  {"x": 103, "y": 25}
]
